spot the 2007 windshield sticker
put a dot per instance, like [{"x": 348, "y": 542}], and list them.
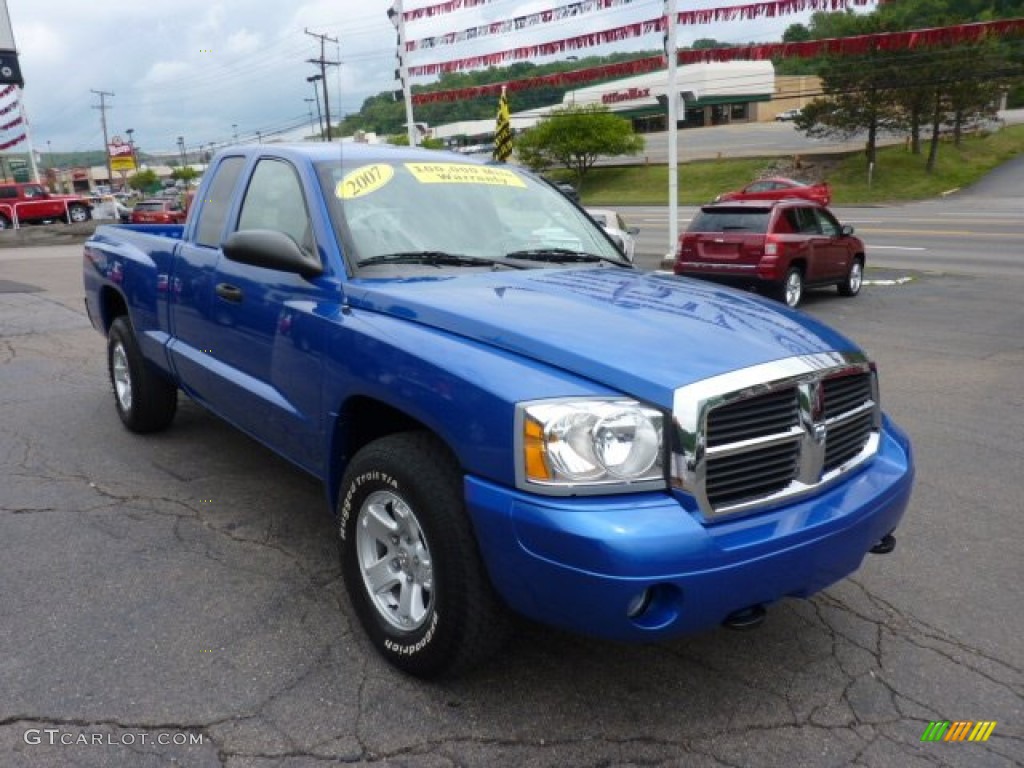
[
  {"x": 459, "y": 173},
  {"x": 363, "y": 181}
]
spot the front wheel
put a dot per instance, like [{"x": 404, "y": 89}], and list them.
[
  {"x": 78, "y": 214},
  {"x": 145, "y": 400},
  {"x": 410, "y": 560},
  {"x": 792, "y": 289},
  {"x": 854, "y": 279}
]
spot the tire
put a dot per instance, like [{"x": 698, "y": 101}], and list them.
[
  {"x": 792, "y": 288},
  {"x": 854, "y": 278},
  {"x": 145, "y": 400},
  {"x": 410, "y": 560},
  {"x": 5, "y": 223},
  {"x": 78, "y": 214}
]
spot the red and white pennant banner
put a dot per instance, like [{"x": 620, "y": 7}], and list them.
[
  {"x": 691, "y": 18},
  {"x": 5, "y": 145},
  {"x": 13, "y": 142},
  {"x": 440, "y": 9},
  {"x": 518, "y": 24},
  {"x": 628, "y": 31},
  {"x": 862, "y": 44}
]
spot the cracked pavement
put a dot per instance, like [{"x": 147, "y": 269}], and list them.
[{"x": 186, "y": 586}]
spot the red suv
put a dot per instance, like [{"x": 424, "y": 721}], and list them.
[
  {"x": 158, "y": 211},
  {"x": 782, "y": 246}
]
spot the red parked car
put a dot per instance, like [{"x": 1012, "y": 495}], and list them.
[
  {"x": 158, "y": 212},
  {"x": 779, "y": 188},
  {"x": 780, "y": 246}
]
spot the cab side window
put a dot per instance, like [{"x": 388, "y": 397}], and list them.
[
  {"x": 274, "y": 201},
  {"x": 218, "y": 199}
]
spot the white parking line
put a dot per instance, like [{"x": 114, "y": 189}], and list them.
[{"x": 896, "y": 248}]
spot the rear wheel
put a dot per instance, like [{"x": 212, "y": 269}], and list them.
[
  {"x": 145, "y": 400},
  {"x": 77, "y": 214},
  {"x": 792, "y": 288},
  {"x": 5, "y": 223},
  {"x": 410, "y": 560},
  {"x": 854, "y": 279}
]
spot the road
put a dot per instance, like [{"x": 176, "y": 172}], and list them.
[
  {"x": 969, "y": 231},
  {"x": 184, "y": 588},
  {"x": 758, "y": 140}
]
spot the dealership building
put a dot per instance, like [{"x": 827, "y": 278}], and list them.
[{"x": 711, "y": 94}]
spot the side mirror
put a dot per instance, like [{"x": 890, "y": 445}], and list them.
[
  {"x": 271, "y": 249},
  {"x": 634, "y": 231},
  {"x": 846, "y": 230}
]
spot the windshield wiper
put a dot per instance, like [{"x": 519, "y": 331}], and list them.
[
  {"x": 436, "y": 259},
  {"x": 563, "y": 256}
]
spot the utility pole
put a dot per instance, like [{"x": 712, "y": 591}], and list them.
[
  {"x": 323, "y": 74},
  {"x": 316, "y": 91},
  {"x": 312, "y": 125},
  {"x": 103, "y": 121}
]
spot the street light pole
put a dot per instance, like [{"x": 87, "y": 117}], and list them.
[
  {"x": 181, "y": 149},
  {"x": 314, "y": 79}
]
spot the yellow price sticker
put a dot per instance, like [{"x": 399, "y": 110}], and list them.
[
  {"x": 363, "y": 181},
  {"x": 459, "y": 173}
]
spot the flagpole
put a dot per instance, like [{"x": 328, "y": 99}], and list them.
[
  {"x": 673, "y": 122},
  {"x": 28, "y": 139},
  {"x": 398, "y": 19}
]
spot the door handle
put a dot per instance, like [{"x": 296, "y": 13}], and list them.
[{"x": 229, "y": 292}]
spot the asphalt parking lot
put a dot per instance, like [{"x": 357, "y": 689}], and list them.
[{"x": 176, "y": 600}]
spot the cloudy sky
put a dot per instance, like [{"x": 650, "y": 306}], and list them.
[{"x": 198, "y": 68}]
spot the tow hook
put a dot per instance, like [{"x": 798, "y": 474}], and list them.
[
  {"x": 885, "y": 546},
  {"x": 746, "y": 618}
]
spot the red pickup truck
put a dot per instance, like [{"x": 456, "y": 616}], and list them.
[{"x": 32, "y": 203}]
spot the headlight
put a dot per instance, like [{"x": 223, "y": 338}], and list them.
[{"x": 591, "y": 445}]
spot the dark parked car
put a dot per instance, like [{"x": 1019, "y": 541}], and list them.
[
  {"x": 781, "y": 247},
  {"x": 780, "y": 188},
  {"x": 158, "y": 211}
]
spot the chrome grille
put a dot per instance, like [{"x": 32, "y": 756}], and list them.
[
  {"x": 752, "y": 474},
  {"x": 747, "y": 439},
  {"x": 847, "y": 439},
  {"x": 753, "y": 417},
  {"x": 845, "y": 393}
]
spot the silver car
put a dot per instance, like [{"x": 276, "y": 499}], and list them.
[{"x": 624, "y": 236}]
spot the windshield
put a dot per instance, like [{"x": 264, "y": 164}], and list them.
[{"x": 404, "y": 212}]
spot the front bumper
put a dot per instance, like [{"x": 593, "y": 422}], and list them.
[{"x": 578, "y": 563}]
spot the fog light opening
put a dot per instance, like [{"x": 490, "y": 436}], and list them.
[{"x": 639, "y": 604}]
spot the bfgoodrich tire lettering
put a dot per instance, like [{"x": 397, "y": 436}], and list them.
[
  {"x": 145, "y": 400},
  {"x": 410, "y": 560}
]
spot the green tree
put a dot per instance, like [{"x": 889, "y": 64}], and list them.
[
  {"x": 575, "y": 137},
  {"x": 144, "y": 180},
  {"x": 186, "y": 173}
]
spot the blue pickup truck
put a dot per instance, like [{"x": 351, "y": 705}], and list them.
[{"x": 506, "y": 415}]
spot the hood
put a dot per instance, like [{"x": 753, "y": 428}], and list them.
[{"x": 643, "y": 334}]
